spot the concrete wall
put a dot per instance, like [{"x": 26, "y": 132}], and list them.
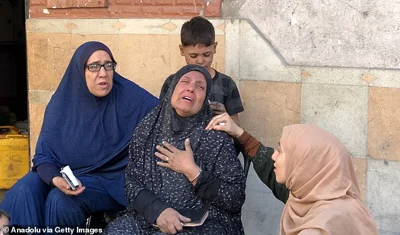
[
  {"x": 360, "y": 106},
  {"x": 146, "y": 51},
  {"x": 358, "y": 33},
  {"x": 314, "y": 45}
]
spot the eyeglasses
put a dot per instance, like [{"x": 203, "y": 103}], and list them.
[{"x": 96, "y": 67}]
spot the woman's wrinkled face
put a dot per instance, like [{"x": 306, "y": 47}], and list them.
[
  {"x": 189, "y": 94},
  {"x": 99, "y": 82},
  {"x": 279, "y": 158}
]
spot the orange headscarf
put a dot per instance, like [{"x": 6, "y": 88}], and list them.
[{"x": 324, "y": 198}]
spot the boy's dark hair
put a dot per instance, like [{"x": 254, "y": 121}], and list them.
[
  {"x": 4, "y": 214},
  {"x": 197, "y": 31}
]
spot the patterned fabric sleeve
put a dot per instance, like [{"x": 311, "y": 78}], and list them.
[
  {"x": 228, "y": 172},
  {"x": 141, "y": 200}
]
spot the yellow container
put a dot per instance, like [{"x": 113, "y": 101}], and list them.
[{"x": 14, "y": 156}]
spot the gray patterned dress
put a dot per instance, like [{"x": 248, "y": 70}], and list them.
[{"x": 150, "y": 188}]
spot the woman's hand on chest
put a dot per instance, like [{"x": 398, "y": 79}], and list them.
[{"x": 181, "y": 161}]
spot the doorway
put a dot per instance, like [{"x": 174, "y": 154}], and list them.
[
  {"x": 13, "y": 67},
  {"x": 13, "y": 63}
]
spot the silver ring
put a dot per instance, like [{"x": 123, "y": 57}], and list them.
[{"x": 166, "y": 159}]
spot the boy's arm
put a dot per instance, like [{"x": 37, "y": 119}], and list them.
[{"x": 218, "y": 108}]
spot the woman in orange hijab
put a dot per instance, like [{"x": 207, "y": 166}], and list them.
[{"x": 324, "y": 197}]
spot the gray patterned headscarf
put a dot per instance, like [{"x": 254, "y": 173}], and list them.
[
  {"x": 213, "y": 152},
  {"x": 164, "y": 124},
  {"x": 179, "y": 126}
]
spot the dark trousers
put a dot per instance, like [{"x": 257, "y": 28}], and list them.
[{"x": 31, "y": 202}]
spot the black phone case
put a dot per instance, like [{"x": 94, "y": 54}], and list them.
[{"x": 194, "y": 214}]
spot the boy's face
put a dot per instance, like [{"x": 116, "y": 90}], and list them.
[
  {"x": 199, "y": 54},
  {"x": 3, "y": 222}
]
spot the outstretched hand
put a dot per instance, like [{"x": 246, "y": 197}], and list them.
[
  {"x": 181, "y": 161},
  {"x": 224, "y": 122}
]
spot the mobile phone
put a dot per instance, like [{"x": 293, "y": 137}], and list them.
[{"x": 67, "y": 174}]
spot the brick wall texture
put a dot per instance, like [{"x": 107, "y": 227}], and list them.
[{"x": 124, "y": 8}]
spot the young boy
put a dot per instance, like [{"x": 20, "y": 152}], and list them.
[
  {"x": 198, "y": 46},
  {"x": 4, "y": 221}
]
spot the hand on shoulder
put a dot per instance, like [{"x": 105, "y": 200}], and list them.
[{"x": 224, "y": 122}]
